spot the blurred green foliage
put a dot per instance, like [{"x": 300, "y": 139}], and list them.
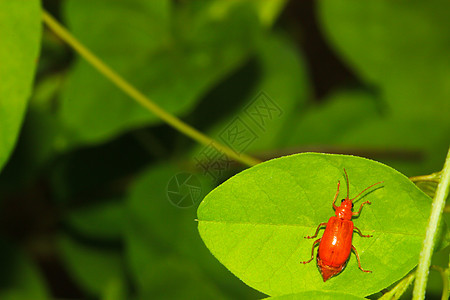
[
  {"x": 20, "y": 32},
  {"x": 85, "y": 209}
]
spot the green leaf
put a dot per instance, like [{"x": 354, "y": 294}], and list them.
[
  {"x": 428, "y": 139},
  {"x": 355, "y": 121},
  {"x": 20, "y": 32},
  {"x": 316, "y": 295},
  {"x": 36, "y": 145},
  {"x": 115, "y": 290},
  {"x": 267, "y": 10},
  {"x": 284, "y": 79},
  {"x": 93, "y": 268},
  {"x": 172, "y": 54},
  {"x": 281, "y": 88},
  {"x": 87, "y": 176},
  {"x": 101, "y": 220},
  {"x": 328, "y": 122},
  {"x": 393, "y": 44},
  {"x": 164, "y": 248},
  {"x": 20, "y": 278},
  {"x": 255, "y": 223}
]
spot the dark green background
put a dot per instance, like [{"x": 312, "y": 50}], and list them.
[{"x": 84, "y": 211}]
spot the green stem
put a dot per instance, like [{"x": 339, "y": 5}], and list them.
[
  {"x": 435, "y": 177},
  {"x": 140, "y": 98},
  {"x": 399, "y": 289},
  {"x": 430, "y": 239}
]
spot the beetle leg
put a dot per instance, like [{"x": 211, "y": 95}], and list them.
[
  {"x": 335, "y": 196},
  {"x": 317, "y": 231},
  {"x": 312, "y": 251},
  {"x": 360, "y": 208},
  {"x": 360, "y": 233},
  {"x": 359, "y": 261}
]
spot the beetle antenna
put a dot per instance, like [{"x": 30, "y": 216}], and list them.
[
  {"x": 346, "y": 180},
  {"x": 366, "y": 190}
]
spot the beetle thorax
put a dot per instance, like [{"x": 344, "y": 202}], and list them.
[{"x": 344, "y": 211}]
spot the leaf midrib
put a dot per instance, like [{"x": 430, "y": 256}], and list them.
[{"x": 304, "y": 226}]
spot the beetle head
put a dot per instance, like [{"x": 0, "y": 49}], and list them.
[{"x": 344, "y": 211}]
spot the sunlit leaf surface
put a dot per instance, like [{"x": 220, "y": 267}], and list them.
[{"x": 255, "y": 222}]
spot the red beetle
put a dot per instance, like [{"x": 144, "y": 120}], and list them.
[{"x": 336, "y": 243}]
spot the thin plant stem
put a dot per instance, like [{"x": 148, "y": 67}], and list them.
[
  {"x": 397, "y": 291},
  {"x": 140, "y": 98},
  {"x": 431, "y": 177},
  {"x": 437, "y": 209}
]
